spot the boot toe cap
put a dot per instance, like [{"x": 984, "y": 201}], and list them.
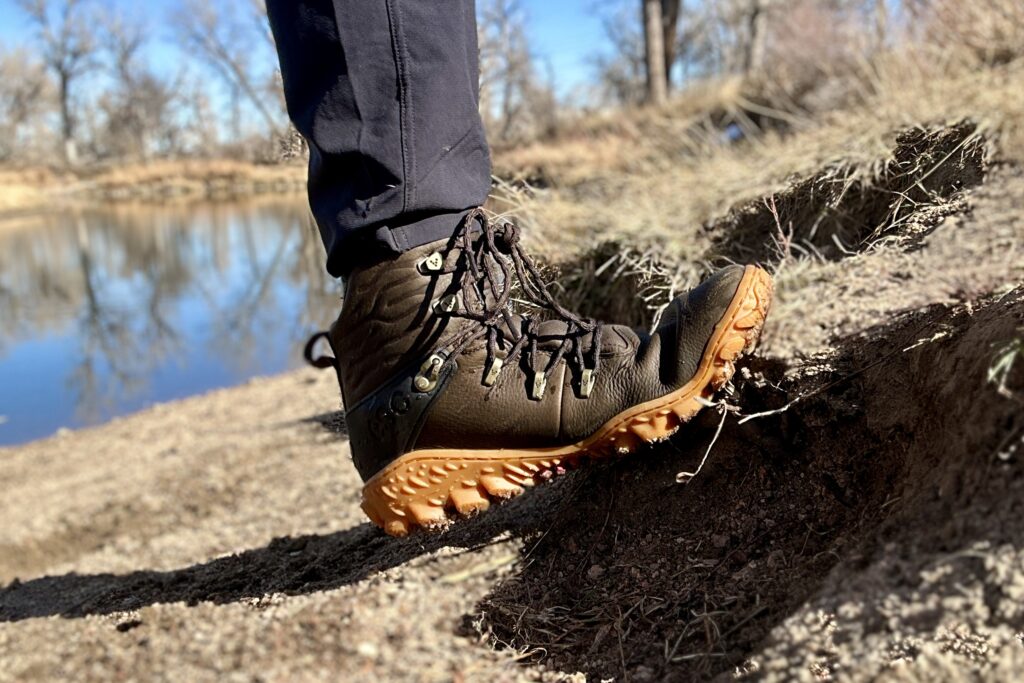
[{"x": 695, "y": 316}]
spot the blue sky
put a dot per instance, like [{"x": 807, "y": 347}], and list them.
[{"x": 565, "y": 33}]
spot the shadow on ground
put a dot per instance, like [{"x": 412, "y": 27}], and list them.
[{"x": 291, "y": 565}]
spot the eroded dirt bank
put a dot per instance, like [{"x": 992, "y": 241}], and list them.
[{"x": 876, "y": 519}]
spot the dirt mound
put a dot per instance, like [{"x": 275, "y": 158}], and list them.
[
  {"x": 889, "y": 441},
  {"x": 836, "y": 212}
]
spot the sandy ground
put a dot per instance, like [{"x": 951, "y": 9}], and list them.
[
  {"x": 868, "y": 527},
  {"x": 138, "y": 525}
]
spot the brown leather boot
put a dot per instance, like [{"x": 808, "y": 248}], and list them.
[{"x": 452, "y": 399}]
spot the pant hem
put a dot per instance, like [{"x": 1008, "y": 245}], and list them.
[{"x": 374, "y": 244}]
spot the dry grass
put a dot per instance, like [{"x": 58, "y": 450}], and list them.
[
  {"x": 27, "y": 190},
  {"x": 641, "y": 188},
  {"x": 626, "y": 141},
  {"x": 635, "y": 211},
  {"x": 832, "y": 215},
  {"x": 992, "y": 30},
  {"x": 195, "y": 170}
]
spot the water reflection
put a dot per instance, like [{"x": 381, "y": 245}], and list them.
[{"x": 105, "y": 311}]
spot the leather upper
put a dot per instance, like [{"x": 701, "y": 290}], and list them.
[
  {"x": 387, "y": 328},
  {"x": 386, "y": 321}
]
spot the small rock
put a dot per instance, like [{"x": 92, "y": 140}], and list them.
[
  {"x": 642, "y": 673},
  {"x": 126, "y": 626},
  {"x": 595, "y": 572},
  {"x": 367, "y": 649}
]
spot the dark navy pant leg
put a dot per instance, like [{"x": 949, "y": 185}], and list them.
[{"x": 386, "y": 94}]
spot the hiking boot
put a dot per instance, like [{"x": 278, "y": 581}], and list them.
[{"x": 453, "y": 399}]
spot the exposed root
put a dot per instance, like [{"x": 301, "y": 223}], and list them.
[{"x": 686, "y": 477}]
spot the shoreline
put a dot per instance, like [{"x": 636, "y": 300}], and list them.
[{"x": 26, "y": 193}]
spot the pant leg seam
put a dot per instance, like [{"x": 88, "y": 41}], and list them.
[{"x": 404, "y": 111}]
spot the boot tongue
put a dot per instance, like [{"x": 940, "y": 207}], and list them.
[
  {"x": 550, "y": 334},
  {"x": 491, "y": 277},
  {"x": 490, "y": 268}
]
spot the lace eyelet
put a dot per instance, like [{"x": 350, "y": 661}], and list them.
[
  {"x": 493, "y": 368},
  {"x": 587, "y": 380},
  {"x": 446, "y": 304},
  {"x": 428, "y": 375},
  {"x": 540, "y": 383},
  {"x": 487, "y": 267},
  {"x": 431, "y": 264}
]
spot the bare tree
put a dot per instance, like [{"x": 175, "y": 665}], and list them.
[
  {"x": 227, "y": 44},
  {"x": 654, "y": 52},
  {"x": 258, "y": 13},
  {"x": 139, "y": 106},
  {"x": 68, "y": 46},
  {"x": 275, "y": 84},
  {"x": 670, "y": 11},
  {"x": 505, "y": 63},
  {"x": 514, "y": 101},
  {"x": 742, "y": 33},
  {"x": 697, "y": 43},
  {"x": 881, "y": 23},
  {"x": 23, "y": 94},
  {"x": 756, "y": 19},
  {"x": 621, "y": 72},
  {"x": 198, "y": 129},
  {"x": 625, "y": 74}
]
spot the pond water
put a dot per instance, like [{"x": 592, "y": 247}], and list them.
[{"x": 104, "y": 312}]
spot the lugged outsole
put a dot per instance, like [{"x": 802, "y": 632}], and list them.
[{"x": 423, "y": 488}]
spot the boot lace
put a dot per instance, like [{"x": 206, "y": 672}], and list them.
[{"x": 487, "y": 263}]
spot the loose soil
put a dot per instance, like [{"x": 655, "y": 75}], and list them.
[{"x": 860, "y": 518}]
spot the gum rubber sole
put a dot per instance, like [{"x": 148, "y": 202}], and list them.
[{"x": 422, "y": 488}]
